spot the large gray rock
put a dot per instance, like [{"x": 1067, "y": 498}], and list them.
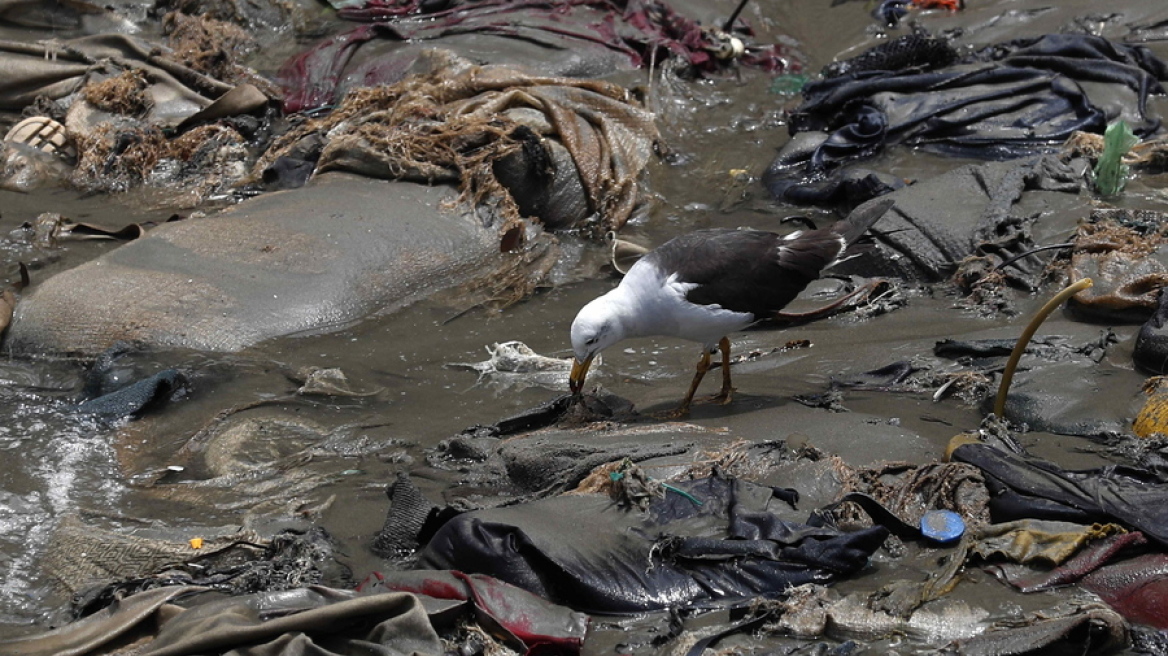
[{"x": 312, "y": 259}]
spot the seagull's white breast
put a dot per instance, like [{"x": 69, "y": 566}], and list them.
[{"x": 658, "y": 306}]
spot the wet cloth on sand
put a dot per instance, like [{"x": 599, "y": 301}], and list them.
[
  {"x": 1010, "y": 100},
  {"x": 1133, "y": 583},
  {"x": 315, "y": 620},
  {"x": 81, "y": 556},
  {"x": 1026, "y": 487},
  {"x": 127, "y": 103},
  {"x": 526, "y": 622},
  {"x": 558, "y": 149},
  {"x": 1037, "y": 541},
  {"x": 706, "y": 539},
  {"x": 586, "y": 38}
]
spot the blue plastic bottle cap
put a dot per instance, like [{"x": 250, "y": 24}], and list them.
[{"x": 942, "y": 526}]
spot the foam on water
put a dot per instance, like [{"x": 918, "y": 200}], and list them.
[{"x": 55, "y": 465}]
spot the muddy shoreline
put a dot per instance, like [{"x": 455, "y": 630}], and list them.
[{"x": 142, "y": 477}]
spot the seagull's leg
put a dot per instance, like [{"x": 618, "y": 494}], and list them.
[
  {"x": 723, "y": 397},
  {"x": 703, "y": 365}
]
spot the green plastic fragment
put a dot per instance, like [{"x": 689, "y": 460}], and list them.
[
  {"x": 789, "y": 84},
  {"x": 696, "y": 501},
  {"x": 618, "y": 475},
  {"x": 1110, "y": 171}
]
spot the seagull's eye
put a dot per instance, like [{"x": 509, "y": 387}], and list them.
[{"x": 590, "y": 341}]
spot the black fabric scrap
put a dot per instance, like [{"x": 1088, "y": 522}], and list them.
[
  {"x": 410, "y": 522},
  {"x": 137, "y": 398},
  {"x": 1025, "y": 487},
  {"x": 103, "y": 375},
  {"x": 977, "y": 348},
  {"x": 288, "y": 173},
  {"x": 914, "y": 50},
  {"x": 715, "y": 539},
  {"x": 876, "y": 511},
  {"x": 541, "y": 416},
  {"x": 1151, "y": 350},
  {"x": 406, "y": 522}
]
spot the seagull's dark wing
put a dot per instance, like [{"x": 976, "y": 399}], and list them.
[
  {"x": 747, "y": 270},
  {"x": 756, "y": 271}
]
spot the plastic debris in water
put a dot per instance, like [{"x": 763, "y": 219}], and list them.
[
  {"x": 789, "y": 84},
  {"x": 516, "y": 364},
  {"x": 196, "y": 543},
  {"x": 1110, "y": 171},
  {"x": 942, "y": 526}
]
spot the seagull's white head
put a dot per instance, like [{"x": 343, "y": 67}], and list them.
[{"x": 597, "y": 326}]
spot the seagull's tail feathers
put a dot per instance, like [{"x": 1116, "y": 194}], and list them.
[{"x": 861, "y": 218}]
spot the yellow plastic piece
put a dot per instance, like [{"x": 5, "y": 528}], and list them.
[{"x": 1153, "y": 417}]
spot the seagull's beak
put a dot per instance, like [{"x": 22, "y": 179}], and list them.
[{"x": 579, "y": 371}]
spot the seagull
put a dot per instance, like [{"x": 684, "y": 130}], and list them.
[{"x": 707, "y": 284}]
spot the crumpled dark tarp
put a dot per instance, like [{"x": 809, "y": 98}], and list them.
[
  {"x": 1025, "y": 487},
  {"x": 317, "y": 621},
  {"x": 1012, "y": 100},
  {"x": 713, "y": 540}
]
